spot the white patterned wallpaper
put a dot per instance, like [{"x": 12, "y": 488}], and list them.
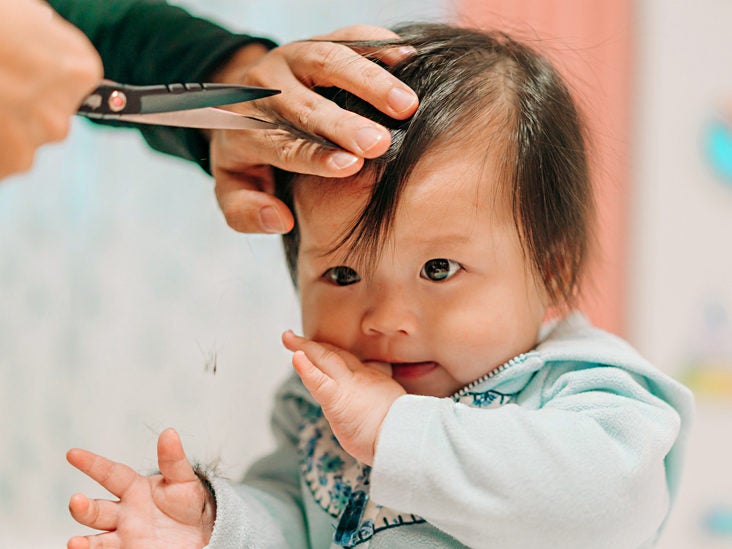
[{"x": 120, "y": 285}]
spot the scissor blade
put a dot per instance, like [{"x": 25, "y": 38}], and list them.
[
  {"x": 196, "y": 96},
  {"x": 209, "y": 118}
]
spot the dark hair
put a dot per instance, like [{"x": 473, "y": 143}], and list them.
[{"x": 470, "y": 80}]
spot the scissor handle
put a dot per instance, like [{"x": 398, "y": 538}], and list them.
[{"x": 113, "y": 98}]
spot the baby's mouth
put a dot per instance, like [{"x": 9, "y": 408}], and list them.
[{"x": 412, "y": 370}]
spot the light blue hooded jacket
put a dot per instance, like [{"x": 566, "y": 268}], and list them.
[{"x": 576, "y": 443}]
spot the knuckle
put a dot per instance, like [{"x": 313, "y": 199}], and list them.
[
  {"x": 304, "y": 116},
  {"x": 371, "y": 73},
  {"x": 326, "y": 55},
  {"x": 257, "y": 74},
  {"x": 93, "y": 512},
  {"x": 327, "y": 355},
  {"x": 320, "y": 383},
  {"x": 287, "y": 151}
]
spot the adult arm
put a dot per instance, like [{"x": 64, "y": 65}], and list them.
[
  {"x": 152, "y": 42},
  {"x": 149, "y": 41}
]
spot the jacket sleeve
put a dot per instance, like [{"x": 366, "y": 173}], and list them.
[
  {"x": 583, "y": 465},
  {"x": 151, "y": 42},
  {"x": 266, "y": 510}
]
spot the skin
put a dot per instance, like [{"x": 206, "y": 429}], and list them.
[
  {"x": 46, "y": 67},
  {"x": 240, "y": 160},
  {"x": 170, "y": 509},
  {"x": 434, "y": 336},
  {"x": 365, "y": 344}
]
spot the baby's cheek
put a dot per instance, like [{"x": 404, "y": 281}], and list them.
[{"x": 329, "y": 325}]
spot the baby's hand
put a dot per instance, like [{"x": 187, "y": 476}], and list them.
[
  {"x": 355, "y": 397},
  {"x": 169, "y": 509}
]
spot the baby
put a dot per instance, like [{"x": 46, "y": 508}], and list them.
[{"x": 435, "y": 405}]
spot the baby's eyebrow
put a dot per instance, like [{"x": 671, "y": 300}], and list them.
[
  {"x": 329, "y": 252},
  {"x": 314, "y": 249},
  {"x": 443, "y": 239}
]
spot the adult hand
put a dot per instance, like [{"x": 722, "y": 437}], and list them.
[
  {"x": 170, "y": 509},
  {"x": 355, "y": 396},
  {"x": 47, "y": 66},
  {"x": 240, "y": 160}
]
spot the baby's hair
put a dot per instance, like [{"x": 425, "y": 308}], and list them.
[{"x": 487, "y": 86}]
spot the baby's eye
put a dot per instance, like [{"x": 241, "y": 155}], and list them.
[
  {"x": 440, "y": 269},
  {"x": 341, "y": 276}
]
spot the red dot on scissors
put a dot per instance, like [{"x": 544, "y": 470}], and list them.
[{"x": 117, "y": 101}]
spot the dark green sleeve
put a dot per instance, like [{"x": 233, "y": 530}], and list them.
[{"x": 151, "y": 42}]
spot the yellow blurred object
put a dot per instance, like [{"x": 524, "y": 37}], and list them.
[{"x": 709, "y": 379}]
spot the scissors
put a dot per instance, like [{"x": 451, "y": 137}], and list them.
[{"x": 190, "y": 105}]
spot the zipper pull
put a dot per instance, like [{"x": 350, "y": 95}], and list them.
[{"x": 350, "y": 522}]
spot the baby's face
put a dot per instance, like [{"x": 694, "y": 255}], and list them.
[{"x": 451, "y": 297}]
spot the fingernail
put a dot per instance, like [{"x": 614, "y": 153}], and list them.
[
  {"x": 401, "y": 100},
  {"x": 368, "y": 137},
  {"x": 342, "y": 160},
  {"x": 406, "y": 51},
  {"x": 270, "y": 220}
]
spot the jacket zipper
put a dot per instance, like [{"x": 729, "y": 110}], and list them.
[{"x": 482, "y": 379}]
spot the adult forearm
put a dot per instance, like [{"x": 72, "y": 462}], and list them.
[{"x": 152, "y": 42}]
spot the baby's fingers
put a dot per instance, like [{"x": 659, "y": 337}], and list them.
[
  {"x": 326, "y": 357},
  {"x": 172, "y": 459},
  {"x": 94, "y": 513},
  {"x": 323, "y": 388},
  {"x": 115, "y": 477},
  {"x": 107, "y": 540}
]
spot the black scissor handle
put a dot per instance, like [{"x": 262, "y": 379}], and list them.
[{"x": 113, "y": 98}]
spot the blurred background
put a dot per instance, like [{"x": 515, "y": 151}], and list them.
[{"x": 127, "y": 305}]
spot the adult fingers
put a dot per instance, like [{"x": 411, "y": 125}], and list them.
[
  {"x": 363, "y": 33},
  {"x": 289, "y": 149},
  {"x": 95, "y": 513},
  {"x": 248, "y": 210},
  {"x": 327, "y": 64},
  {"x": 298, "y": 67},
  {"x": 115, "y": 477},
  {"x": 172, "y": 461}
]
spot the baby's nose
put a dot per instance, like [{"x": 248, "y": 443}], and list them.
[{"x": 392, "y": 314}]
